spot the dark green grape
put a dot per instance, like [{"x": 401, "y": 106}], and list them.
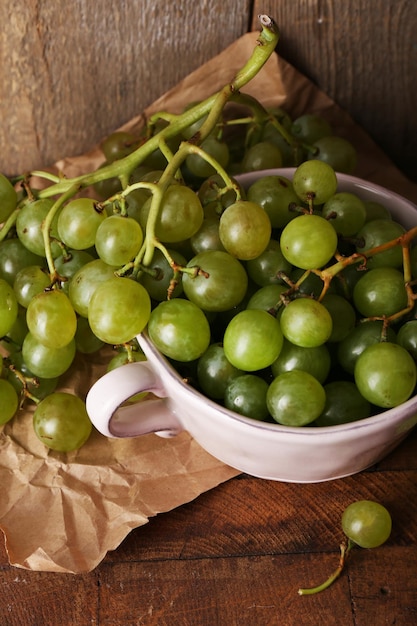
[
  {"x": 337, "y": 152},
  {"x": 215, "y": 372},
  {"x": 246, "y": 395},
  {"x": 276, "y": 195},
  {"x": 262, "y": 156},
  {"x": 344, "y": 403}
]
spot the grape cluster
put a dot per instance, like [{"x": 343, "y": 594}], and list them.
[{"x": 285, "y": 301}]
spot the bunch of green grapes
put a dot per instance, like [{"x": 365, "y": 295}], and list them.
[{"x": 253, "y": 291}]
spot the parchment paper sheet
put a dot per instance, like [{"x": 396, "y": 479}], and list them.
[{"x": 63, "y": 513}]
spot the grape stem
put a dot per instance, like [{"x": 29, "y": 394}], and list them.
[
  {"x": 344, "y": 552},
  {"x": 212, "y": 106}
]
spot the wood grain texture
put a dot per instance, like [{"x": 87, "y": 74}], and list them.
[
  {"x": 236, "y": 556},
  {"x": 364, "y": 56},
  {"x": 71, "y": 72}
]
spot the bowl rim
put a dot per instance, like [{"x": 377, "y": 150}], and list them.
[{"x": 372, "y": 421}]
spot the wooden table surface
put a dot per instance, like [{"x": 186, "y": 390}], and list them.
[{"x": 236, "y": 556}]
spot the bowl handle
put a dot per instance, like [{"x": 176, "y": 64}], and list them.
[{"x": 109, "y": 392}]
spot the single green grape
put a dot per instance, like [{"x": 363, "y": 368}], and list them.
[
  {"x": 78, "y": 222},
  {"x": 179, "y": 329},
  {"x": 51, "y": 318},
  {"x": 252, "y": 340},
  {"x": 308, "y": 241},
  {"x": 306, "y": 322},
  {"x": 9, "y": 401},
  {"x": 367, "y": 523},
  {"x": 221, "y": 284},
  {"x": 245, "y": 230},
  {"x": 119, "y": 310},
  {"x": 385, "y": 374},
  {"x": 246, "y": 395},
  {"x": 314, "y": 181},
  {"x": 295, "y": 398},
  {"x": 118, "y": 240},
  {"x": 215, "y": 372},
  {"x": 8, "y": 307},
  {"x": 61, "y": 422}
]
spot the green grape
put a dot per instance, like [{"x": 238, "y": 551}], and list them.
[
  {"x": 295, "y": 398},
  {"x": 221, "y": 285},
  {"x": 385, "y": 374},
  {"x": 85, "y": 340},
  {"x": 306, "y": 322},
  {"x": 8, "y": 198},
  {"x": 380, "y": 292},
  {"x": 14, "y": 257},
  {"x": 347, "y": 213},
  {"x": 376, "y": 233},
  {"x": 179, "y": 329},
  {"x": 181, "y": 214},
  {"x": 44, "y": 361},
  {"x": 246, "y": 395},
  {"x": 311, "y": 284},
  {"x": 13, "y": 340},
  {"x": 207, "y": 237},
  {"x": 316, "y": 361},
  {"x": 29, "y": 282},
  {"x": 407, "y": 337},
  {"x": 119, "y": 310},
  {"x": 158, "y": 281},
  {"x": 51, "y": 318},
  {"x": 123, "y": 357},
  {"x": 337, "y": 152},
  {"x": 359, "y": 338},
  {"x": 267, "y": 298},
  {"x": 368, "y": 524},
  {"x": 263, "y": 155},
  {"x": 215, "y": 372},
  {"x": 275, "y": 194},
  {"x": 252, "y": 340},
  {"x": 308, "y": 241},
  {"x": 212, "y": 191},
  {"x": 9, "y": 401},
  {"x": 118, "y": 240},
  {"x": 85, "y": 281},
  {"x": 36, "y": 386},
  {"x": 8, "y": 307},
  {"x": 78, "y": 222},
  {"x": 118, "y": 145},
  {"x": 109, "y": 186},
  {"x": 245, "y": 230},
  {"x": 69, "y": 263},
  {"x": 376, "y": 211},
  {"x": 29, "y": 226},
  {"x": 292, "y": 154},
  {"x": 61, "y": 422},
  {"x": 215, "y": 148},
  {"x": 344, "y": 403},
  {"x": 310, "y": 127},
  {"x": 343, "y": 316},
  {"x": 314, "y": 181},
  {"x": 266, "y": 268}
]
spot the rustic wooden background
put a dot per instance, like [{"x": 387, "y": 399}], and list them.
[{"x": 72, "y": 72}]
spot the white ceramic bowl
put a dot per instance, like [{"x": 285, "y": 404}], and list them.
[{"x": 265, "y": 450}]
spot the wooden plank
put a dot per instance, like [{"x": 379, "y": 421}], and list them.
[
  {"x": 71, "y": 72},
  {"x": 363, "y": 55}
]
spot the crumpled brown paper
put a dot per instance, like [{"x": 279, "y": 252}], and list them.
[{"x": 62, "y": 513}]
